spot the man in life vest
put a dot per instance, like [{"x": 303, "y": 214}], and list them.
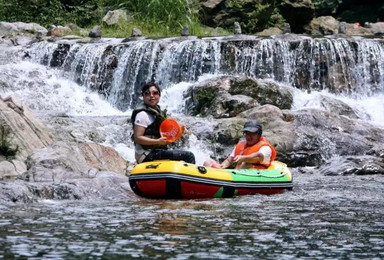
[{"x": 253, "y": 152}]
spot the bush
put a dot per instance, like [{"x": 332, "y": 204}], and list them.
[
  {"x": 48, "y": 12},
  {"x": 5, "y": 146},
  {"x": 160, "y": 18}
]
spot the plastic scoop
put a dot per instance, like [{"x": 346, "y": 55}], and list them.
[{"x": 170, "y": 129}]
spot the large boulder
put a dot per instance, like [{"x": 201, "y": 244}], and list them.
[
  {"x": 26, "y": 131},
  {"x": 228, "y": 96},
  {"x": 297, "y": 13},
  {"x": 302, "y": 137},
  {"x": 324, "y": 25},
  {"x": 356, "y": 29},
  {"x": 115, "y": 16},
  {"x": 375, "y": 28},
  {"x": 20, "y": 28},
  {"x": 278, "y": 127},
  {"x": 264, "y": 92},
  {"x": 59, "y": 31},
  {"x": 64, "y": 161},
  {"x": 253, "y": 16},
  {"x": 213, "y": 99}
]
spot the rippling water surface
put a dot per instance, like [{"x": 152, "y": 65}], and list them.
[{"x": 322, "y": 217}]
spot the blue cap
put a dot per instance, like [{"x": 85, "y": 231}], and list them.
[{"x": 253, "y": 126}]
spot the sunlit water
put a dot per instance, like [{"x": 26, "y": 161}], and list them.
[{"x": 321, "y": 218}]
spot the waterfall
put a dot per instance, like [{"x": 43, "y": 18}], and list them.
[{"x": 352, "y": 66}]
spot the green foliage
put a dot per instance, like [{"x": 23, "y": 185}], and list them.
[
  {"x": 48, "y": 12},
  {"x": 162, "y": 17},
  {"x": 326, "y": 7},
  {"x": 155, "y": 18},
  {"x": 5, "y": 146},
  {"x": 204, "y": 98},
  {"x": 350, "y": 11},
  {"x": 265, "y": 14}
]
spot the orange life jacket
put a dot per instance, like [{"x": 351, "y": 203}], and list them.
[{"x": 241, "y": 149}]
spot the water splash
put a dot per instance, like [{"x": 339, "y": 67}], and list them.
[
  {"x": 352, "y": 66},
  {"x": 367, "y": 108},
  {"x": 46, "y": 92}
]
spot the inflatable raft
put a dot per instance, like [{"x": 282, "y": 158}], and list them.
[{"x": 179, "y": 180}]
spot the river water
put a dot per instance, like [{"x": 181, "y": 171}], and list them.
[{"x": 323, "y": 217}]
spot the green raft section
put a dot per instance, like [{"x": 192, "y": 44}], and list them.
[{"x": 252, "y": 175}]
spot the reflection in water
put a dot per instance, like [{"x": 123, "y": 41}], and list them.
[{"x": 323, "y": 217}]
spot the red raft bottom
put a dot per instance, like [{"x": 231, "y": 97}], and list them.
[{"x": 176, "y": 189}]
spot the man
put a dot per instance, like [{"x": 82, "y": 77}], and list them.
[{"x": 254, "y": 152}]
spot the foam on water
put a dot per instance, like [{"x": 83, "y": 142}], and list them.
[
  {"x": 368, "y": 108},
  {"x": 46, "y": 92}
]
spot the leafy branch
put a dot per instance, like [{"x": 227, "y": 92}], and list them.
[{"x": 5, "y": 146}]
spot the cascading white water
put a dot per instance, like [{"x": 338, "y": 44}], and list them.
[
  {"x": 130, "y": 65},
  {"x": 349, "y": 70},
  {"x": 351, "y": 66}
]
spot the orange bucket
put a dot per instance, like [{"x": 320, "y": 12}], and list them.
[{"x": 170, "y": 129}]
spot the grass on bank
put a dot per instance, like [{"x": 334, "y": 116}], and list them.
[
  {"x": 154, "y": 29},
  {"x": 160, "y": 18},
  {"x": 155, "y": 18}
]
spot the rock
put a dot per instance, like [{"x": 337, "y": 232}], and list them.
[
  {"x": 57, "y": 163},
  {"x": 286, "y": 28},
  {"x": 103, "y": 158},
  {"x": 20, "y": 167},
  {"x": 60, "y": 31},
  {"x": 211, "y": 4},
  {"x": 376, "y": 28},
  {"x": 321, "y": 135},
  {"x": 359, "y": 165},
  {"x": 252, "y": 15},
  {"x": 115, "y": 16},
  {"x": 353, "y": 29},
  {"x": 95, "y": 32},
  {"x": 62, "y": 161},
  {"x": 11, "y": 169},
  {"x": 297, "y": 13},
  {"x": 270, "y": 31},
  {"x": 136, "y": 32},
  {"x": 212, "y": 99},
  {"x": 236, "y": 28},
  {"x": 20, "y": 28},
  {"x": 323, "y": 25},
  {"x": 26, "y": 131},
  {"x": 264, "y": 92},
  {"x": 185, "y": 31},
  {"x": 7, "y": 170},
  {"x": 136, "y": 35},
  {"x": 343, "y": 28}
]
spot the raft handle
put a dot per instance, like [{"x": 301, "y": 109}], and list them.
[
  {"x": 202, "y": 169},
  {"x": 152, "y": 166}
]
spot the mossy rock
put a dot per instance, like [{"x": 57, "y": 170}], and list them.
[{"x": 262, "y": 92}]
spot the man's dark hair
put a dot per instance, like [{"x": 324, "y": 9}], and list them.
[{"x": 148, "y": 85}]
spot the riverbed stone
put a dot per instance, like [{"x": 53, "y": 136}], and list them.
[
  {"x": 21, "y": 28},
  {"x": 27, "y": 132},
  {"x": 7, "y": 170},
  {"x": 323, "y": 25},
  {"x": 115, "y": 16}
]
